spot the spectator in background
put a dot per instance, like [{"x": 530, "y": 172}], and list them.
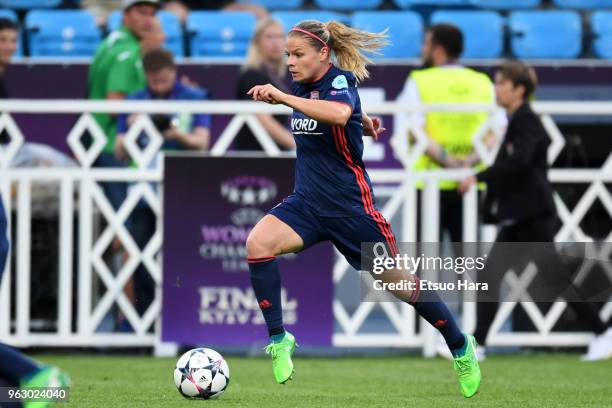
[
  {"x": 520, "y": 199},
  {"x": 8, "y": 46},
  {"x": 265, "y": 64},
  {"x": 180, "y": 132},
  {"x": 450, "y": 134},
  {"x": 116, "y": 71},
  {"x": 181, "y": 7}
]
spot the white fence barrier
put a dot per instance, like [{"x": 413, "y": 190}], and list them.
[{"x": 88, "y": 310}]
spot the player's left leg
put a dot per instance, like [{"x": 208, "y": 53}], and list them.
[
  {"x": 348, "y": 234},
  {"x": 14, "y": 366}
]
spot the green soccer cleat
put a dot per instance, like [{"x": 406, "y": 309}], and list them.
[
  {"x": 281, "y": 352},
  {"x": 46, "y": 377},
  {"x": 468, "y": 370}
]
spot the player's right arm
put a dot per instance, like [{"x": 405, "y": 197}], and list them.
[{"x": 333, "y": 113}]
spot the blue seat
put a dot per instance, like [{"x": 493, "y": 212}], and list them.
[
  {"x": 291, "y": 18},
  {"x": 507, "y": 4},
  {"x": 601, "y": 23},
  {"x": 583, "y": 4},
  {"x": 220, "y": 33},
  {"x": 11, "y": 15},
  {"x": 62, "y": 33},
  {"x": 405, "y": 30},
  {"x": 170, "y": 23},
  {"x": 29, "y": 4},
  {"x": 483, "y": 31},
  {"x": 546, "y": 34},
  {"x": 275, "y": 4},
  {"x": 348, "y": 5},
  {"x": 405, "y": 4}
]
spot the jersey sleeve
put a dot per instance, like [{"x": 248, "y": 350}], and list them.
[{"x": 343, "y": 92}]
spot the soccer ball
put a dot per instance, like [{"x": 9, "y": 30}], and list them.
[{"x": 201, "y": 373}]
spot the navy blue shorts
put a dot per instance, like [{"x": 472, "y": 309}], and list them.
[{"x": 346, "y": 233}]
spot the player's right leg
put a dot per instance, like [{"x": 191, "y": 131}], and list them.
[
  {"x": 269, "y": 238},
  {"x": 285, "y": 229}
]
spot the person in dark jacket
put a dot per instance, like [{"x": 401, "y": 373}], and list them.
[{"x": 520, "y": 200}]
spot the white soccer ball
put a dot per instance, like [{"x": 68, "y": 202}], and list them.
[{"x": 201, "y": 373}]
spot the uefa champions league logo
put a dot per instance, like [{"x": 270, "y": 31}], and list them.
[{"x": 248, "y": 190}]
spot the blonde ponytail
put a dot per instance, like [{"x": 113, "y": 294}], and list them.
[{"x": 348, "y": 44}]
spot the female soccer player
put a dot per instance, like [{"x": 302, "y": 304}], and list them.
[{"x": 333, "y": 197}]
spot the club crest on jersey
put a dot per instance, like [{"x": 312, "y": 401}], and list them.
[
  {"x": 314, "y": 95},
  {"x": 340, "y": 82}
]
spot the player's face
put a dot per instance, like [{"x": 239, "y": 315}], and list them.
[
  {"x": 139, "y": 19},
  {"x": 161, "y": 83},
  {"x": 506, "y": 93},
  {"x": 272, "y": 43},
  {"x": 305, "y": 62},
  {"x": 8, "y": 45}
]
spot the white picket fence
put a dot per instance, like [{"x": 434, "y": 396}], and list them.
[{"x": 82, "y": 182}]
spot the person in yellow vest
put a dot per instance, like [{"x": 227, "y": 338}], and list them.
[{"x": 450, "y": 134}]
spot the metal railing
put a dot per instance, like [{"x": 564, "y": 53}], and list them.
[{"x": 83, "y": 182}]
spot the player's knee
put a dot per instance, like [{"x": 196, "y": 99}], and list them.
[{"x": 259, "y": 247}]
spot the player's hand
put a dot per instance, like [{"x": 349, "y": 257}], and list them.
[
  {"x": 372, "y": 126},
  {"x": 465, "y": 185},
  {"x": 266, "y": 93}
]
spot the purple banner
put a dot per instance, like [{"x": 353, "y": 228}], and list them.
[{"x": 210, "y": 206}]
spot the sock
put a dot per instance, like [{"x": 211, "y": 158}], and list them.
[
  {"x": 458, "y": 352},
  {"x": 431, "y": 308},
  {"x": 277, "y": 338},
  {"x": 265, "y": 278},
  {"x": 15, "y": 365}
]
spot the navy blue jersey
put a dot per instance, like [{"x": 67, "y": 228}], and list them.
[{"x": 330, "y": 175}]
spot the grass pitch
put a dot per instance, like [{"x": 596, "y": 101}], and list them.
[{"x": 536, "y": 380}]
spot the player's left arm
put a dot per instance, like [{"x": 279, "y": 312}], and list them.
[{"x": 333, "y": 113}]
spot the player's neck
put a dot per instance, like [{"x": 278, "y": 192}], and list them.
[{"x": 322, "y": 73}]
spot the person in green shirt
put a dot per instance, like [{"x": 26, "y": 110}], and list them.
[{"x": 116, "y": 71}]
